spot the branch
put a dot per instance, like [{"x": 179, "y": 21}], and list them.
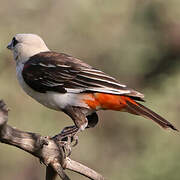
[
  {"x": 48, "y": 150},
  {"x": 81, "y": 169}
]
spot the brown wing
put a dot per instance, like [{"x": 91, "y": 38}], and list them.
[{"x": 50, "y": 71}]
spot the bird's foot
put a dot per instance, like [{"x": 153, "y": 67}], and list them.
[{"x": 68, "y": 138}]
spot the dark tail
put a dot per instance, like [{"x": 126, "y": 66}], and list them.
[{"x": 141, "y": 110}]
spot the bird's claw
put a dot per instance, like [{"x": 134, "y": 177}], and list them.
[
  {"x": 75, "y": 140},
  {"x": 68, "y": 138}
]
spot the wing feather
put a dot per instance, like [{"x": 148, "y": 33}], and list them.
[{"x": 50, "y": 71}]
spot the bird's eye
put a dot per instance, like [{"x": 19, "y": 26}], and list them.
[{"x": 14, "y": 41}]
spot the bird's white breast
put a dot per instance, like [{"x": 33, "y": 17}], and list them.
[{"x": 50, "y": 99}]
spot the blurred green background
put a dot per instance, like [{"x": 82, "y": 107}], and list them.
[{"x": 136, "y": 41}]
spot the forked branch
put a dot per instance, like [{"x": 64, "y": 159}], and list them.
[{"x": 48, "y": 150}]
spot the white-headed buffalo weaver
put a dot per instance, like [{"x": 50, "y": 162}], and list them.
[{"x": 64, "y": 83}]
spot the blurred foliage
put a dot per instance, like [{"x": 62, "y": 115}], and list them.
[{"x": 136, "y": 41}]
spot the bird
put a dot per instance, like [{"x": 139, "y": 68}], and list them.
[{"x": 64, "y": 83}]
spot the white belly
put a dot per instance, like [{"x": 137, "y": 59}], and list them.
[{"x": 50, "y": 99}]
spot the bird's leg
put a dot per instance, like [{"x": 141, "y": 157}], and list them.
[
  {"x": 68, "y": 138},
  {"x": 65, "y": 138},
  {"x": 70, "y": 134},
  {"x": 73, "y": 132}
]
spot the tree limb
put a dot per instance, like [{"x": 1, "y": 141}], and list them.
[
  {"x": 81, "y": 169},
  {"x": 48, "y": 150},
  {"x": 50, "y": 173}
]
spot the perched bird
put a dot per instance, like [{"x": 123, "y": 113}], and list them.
[{"x": 64, "y": 83}]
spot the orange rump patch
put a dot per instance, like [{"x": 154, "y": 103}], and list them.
[{"x": 107, "y": 101}]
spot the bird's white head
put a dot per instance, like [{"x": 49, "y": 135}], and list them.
[{"x": 26, "y": 45}]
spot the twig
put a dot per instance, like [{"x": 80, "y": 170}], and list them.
[
  {"x": 50, "y": 173},
  {"x": 48, "y": 150},
  {"x": 81, "y": 169}
]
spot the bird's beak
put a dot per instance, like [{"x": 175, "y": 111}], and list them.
[{"x": 9, "y": 46}]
